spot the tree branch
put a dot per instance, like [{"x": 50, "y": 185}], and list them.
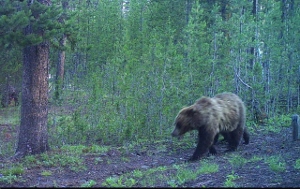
[{"x": 243, "y": 81}]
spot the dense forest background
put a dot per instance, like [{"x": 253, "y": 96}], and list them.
[{"x": 120, "y": 70}]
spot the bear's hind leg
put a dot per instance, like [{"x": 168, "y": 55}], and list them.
[{"x": 246, "y": 136}]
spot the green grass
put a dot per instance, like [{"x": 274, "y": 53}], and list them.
[
  {"x": 137, "y": 173},
  {"x": 9, "y": 179},
  {"x": 74, "y": 162},
  {"x": 297, "y": 164},
  {"x": 280, "y": 120},
  {"x": 17, "y": 169},
  {"x": 46, "y": 173},
  {"x": 255, "y": 159},
  {"x": 276, "y": 163},
  {"x": 173, "y": 176},
  {"x": 10, "y": 116},
  {"x": 10, "y": 119},
  {"x": 229, "y": 182},
  {"x": 206, "y": 168},
  {"x": 183, "y": 175},
  {"x": 144, "y": 178},
  {"x": 113, "y": 182},
  {"x": 89, "y": 183},
  {"x": 10, "y": 174},
  {"x": 80, "y": 149},
  {"x": 237, "y": 160}
]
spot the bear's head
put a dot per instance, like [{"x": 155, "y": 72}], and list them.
[
  {"x": 185, "y": 121},
  {"x": 192, "y": 117}
]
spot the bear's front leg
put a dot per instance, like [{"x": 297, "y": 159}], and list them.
[{"x": 205, "y": 142}]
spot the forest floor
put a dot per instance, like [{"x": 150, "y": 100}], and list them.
[{"x": 271, "y": 159}]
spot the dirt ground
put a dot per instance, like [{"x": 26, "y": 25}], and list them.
[{"x": 116, "y": 162}]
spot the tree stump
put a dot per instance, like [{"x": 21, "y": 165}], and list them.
[{"x": 296, "y": 127}]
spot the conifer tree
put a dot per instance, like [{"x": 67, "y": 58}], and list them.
[{"x": 31, "y": 25}]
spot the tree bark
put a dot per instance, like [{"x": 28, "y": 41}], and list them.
[{"x": 33, "y": 135}]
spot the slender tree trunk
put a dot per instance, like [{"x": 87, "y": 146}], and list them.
[
  {"x": 33, "y": 136},
  {"x": 60, "y": 68},
  {"x": 61, "y": 58}
]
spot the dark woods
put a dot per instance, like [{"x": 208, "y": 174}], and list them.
[{"x": 10, "y": 96}]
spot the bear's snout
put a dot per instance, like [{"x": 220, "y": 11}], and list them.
[{"x": 175, "y": 133}]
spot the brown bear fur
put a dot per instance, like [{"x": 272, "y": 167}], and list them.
[{"x": 223, "y": 114}]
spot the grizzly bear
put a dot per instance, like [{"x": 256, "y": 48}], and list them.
[{"x": 223, "y": 114}]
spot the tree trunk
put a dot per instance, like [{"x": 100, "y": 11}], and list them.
[
  {"x": 33, "y": 135},
  {"x": 60, "y": 68},
  {"x": 61, "y": 58}
]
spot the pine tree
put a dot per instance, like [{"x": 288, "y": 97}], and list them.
[{"x": 32, "y": 25}]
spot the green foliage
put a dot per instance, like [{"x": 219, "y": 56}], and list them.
[
  {"x": 283, "y": 120},
  {"x": 118, "y": 182},
  {"x": 73, "y": 162},
  {"x": 297, "y": 164},
  {"x": 207, "y": 168},
  {"x": 14, "y": 170},
  {"x": 255, "y": 158},
  {"x": 184, "y": 175},
  {"x": 19, "y": 15},
  {"x": 139, "y": 68},
  {"x": 9, "y": 179},
  {"x": 79, "y": 149},
  {"x": 236, "y": 160},
  {"x": 177, "y": 175},
  {"x": 137, "y": 173},
  {"x": 113, "y": 182},
  {"x": 10, "y": 116},
  {"x": 144, "y": 178},
  {"x": 130, "y": 72},
  {"x": 276, "y": 163},
  {"x": 172, "y": 183},
  {"x": 89, "y": 183},
  {"x": 31, "y": 159},
  {"x": 46, "y": 173},
  {"x": 10, "y": 174},
  {"x": 12, "y": 22},
  {"x": 230, "y": 180}
]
